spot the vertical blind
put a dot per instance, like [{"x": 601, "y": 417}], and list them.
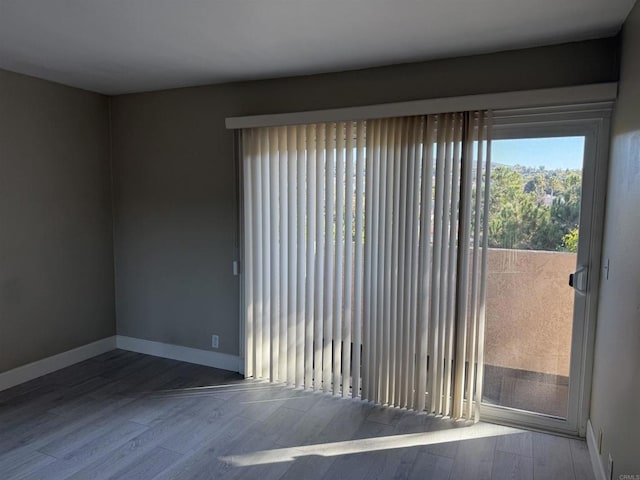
[{"x": 365, "y": 258}]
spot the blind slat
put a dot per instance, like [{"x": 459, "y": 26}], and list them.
[
  {"x": 248, "y": 251},
  {"x": 310, "y": 252},
  {"x": 348, "y": 284},
  {"x": 301, "y": 227},
  {"x": 318, "y": 327},
  {"x": 284, "y": 264},
  {"x": 329, "y": 266},
  {"x": 274, "y": 253},
  {"x": 387, "y": 232},
  {"x": 338, "y": 285},
  {"x": 402, "y": 334},
  {"x": 453, "y": 254},
  {"x": 368, "y": 267},
  {"x": 358, "y": 268}
]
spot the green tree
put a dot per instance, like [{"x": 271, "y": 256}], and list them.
[
  {"x": 514, "y": 214},
  {"x": 533, "y": 208},
  {"x": 570, "y": 240}
]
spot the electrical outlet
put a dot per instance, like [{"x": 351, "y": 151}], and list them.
[
  {"x": 600, "y": 434},
  {"x": 610, "y": 467},
  {"x": 215, "y": 341}
]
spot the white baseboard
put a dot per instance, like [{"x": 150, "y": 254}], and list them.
[
  {"x": 596, "y": 462},
  {"x": 177, "y": 352},
  {"x": 47, "y": 365}
]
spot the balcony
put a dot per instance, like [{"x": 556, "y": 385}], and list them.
[{"x": 528, "y": 330}]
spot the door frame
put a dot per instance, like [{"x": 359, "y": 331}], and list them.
[{"x": 593, "y": 122}]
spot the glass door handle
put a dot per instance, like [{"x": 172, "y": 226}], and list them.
[{"x": 578, "y": 280}]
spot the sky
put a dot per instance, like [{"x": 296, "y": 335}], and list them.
[{"x": 554, "y": 153}]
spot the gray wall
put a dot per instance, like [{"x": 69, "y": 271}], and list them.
[
  {"x": 56, "y": 263},
  {"x": 616, "y": 383},
  {"x": 175, "y": 211}
]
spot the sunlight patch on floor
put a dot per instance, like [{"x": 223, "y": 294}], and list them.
[{"x": 479, "y": 430}]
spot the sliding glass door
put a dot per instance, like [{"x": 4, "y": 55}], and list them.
[
  {"x": 384, "y": 261},
  {"x": 542, "y": 267}
]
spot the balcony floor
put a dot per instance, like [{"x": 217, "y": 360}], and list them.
[{"x": 525, "y": 390}]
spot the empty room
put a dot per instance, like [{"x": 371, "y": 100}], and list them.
[{"x": 319, "y": 240}]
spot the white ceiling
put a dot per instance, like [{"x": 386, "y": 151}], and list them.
[{"x": 121, "y": 46}]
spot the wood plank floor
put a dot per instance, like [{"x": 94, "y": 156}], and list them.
[{"x": 124, "y": 415}]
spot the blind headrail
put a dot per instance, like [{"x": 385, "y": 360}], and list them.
[{"x": 574, "y": 95}]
